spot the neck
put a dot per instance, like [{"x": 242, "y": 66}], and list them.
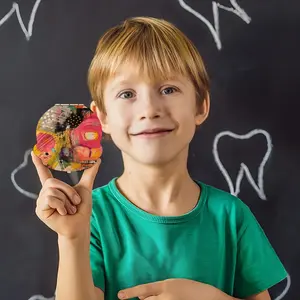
[{"x": 166, "y": 189}]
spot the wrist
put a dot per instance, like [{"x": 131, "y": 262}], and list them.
[{"x": 74, "y": 241}]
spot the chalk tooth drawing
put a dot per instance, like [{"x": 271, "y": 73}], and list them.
[
  {"x": 16, "y": 170},
  {"x": 259, "y": 187},
  {"x": 73, "y": 176},
  {"x": 244, "y": 170},
  {"x": 215, "y": 29},
  {"x": 23, "y": 165},
  {"x": 16, "y": 9},
  {"x": 285, "y": 291}
]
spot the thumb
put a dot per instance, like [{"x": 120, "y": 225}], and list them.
[
  {"x": 43, "y": 172},
  {"x": 142, "y": 291},
  {"x": 88, "y": 176}
]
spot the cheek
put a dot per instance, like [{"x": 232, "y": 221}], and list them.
[
  {"x": 185, "y": 115},
  {"x": 186, "y": 122},
  {"x": 119, "y": 120}
]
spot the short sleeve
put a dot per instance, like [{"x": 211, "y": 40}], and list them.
[
  {"x": 258, "y": 267},
  {"x": 96, "y": 255}
]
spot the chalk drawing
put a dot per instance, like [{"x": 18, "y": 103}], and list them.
[
  {"x": 16, "y": 170},
  {"x": 215, "y": 29},
  {"x": 16, "y": 9},
  {"x": 285, "y": 291},
  {"x": 73, "y": 176},
  {"x": 259, "y": 186},
  {"x": 244, "y": 170}
]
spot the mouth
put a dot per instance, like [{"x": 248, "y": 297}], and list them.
[{"x": 154, "y": 132}]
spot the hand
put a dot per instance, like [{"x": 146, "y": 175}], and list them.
[
  {"x": 65, "y": 209},
  {"x": 174, "y": 289}
]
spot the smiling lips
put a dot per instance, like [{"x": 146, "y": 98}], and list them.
[{"x": 154, "y": 132}]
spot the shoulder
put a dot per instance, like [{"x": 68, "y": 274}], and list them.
[
  {"x": 104, "y": 201},
  {"x": 225, "y": 207},
  {"x": 216, "y": 198},
  {"x": 102, "y": 193}
]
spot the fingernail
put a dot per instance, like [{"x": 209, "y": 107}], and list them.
[
  {"x": 121, "y": 295},
  {"x": 76, "y": 199},
  {"x": 73, "y": 209}
]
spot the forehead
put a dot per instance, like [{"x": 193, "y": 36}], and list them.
[{"x": 135, "y": 73}]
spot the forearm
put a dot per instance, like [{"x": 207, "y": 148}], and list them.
[
  {"x": 220, "y": 295},
  {"x": 74, "y": 279}
]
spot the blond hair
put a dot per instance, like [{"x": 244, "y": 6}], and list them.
[{"x": 157, "y": 47}]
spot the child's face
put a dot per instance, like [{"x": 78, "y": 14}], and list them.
[{"x": 136, "y": 107}]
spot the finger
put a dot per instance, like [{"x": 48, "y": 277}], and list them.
[
  {"x": 89, "y": 175},
  {"x": 53, "y": 203},
  {"x": 69, "y": 191},
  {"x": 61, "y": 196},
  {"x": 143, "y": 290},
  {"x": 162, "y": 296},
  {"x": 43, "y": 172}
]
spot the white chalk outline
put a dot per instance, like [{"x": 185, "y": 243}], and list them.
[
  {"x": 16, "y": 9},
  {"x": 244, "y": 169},
  {"x": 215, "y": 30},
  {"x": 285, "y": 291},
  {"x": 16, "y": 170},
  {"x": 73, "y": 176},
  {"x": 29, "y": 195},
  {"x": 259, "y": 188}
]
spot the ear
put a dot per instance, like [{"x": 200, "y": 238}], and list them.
[
  {"x": 101, "y": 116},
  {"x": 203, "y": 111}
]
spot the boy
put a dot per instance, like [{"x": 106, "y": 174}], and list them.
[{"x": 153, "y": 232}]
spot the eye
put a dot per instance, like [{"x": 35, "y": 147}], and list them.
[
  {"x": 126, "y": 95},
  {"x": 169, "y": 90}
]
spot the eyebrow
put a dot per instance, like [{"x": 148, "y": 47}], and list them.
[
  {"x": 117, "y": 83},
  {"x": 176, "y": 78}
]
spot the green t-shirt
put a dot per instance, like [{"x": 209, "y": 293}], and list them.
[{"x": 219, "y": 242}]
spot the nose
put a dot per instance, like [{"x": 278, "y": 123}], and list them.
[{"x": 150, "y": 106}]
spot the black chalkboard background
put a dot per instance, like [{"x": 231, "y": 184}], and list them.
[{"x": 255, "y": 82}]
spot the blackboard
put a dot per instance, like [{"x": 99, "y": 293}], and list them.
[{"x": 249, "y": 146}]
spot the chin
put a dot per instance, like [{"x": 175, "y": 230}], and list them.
[
  {"x": 156, "y": 159},
  {"x": 155, "y": 155}
]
